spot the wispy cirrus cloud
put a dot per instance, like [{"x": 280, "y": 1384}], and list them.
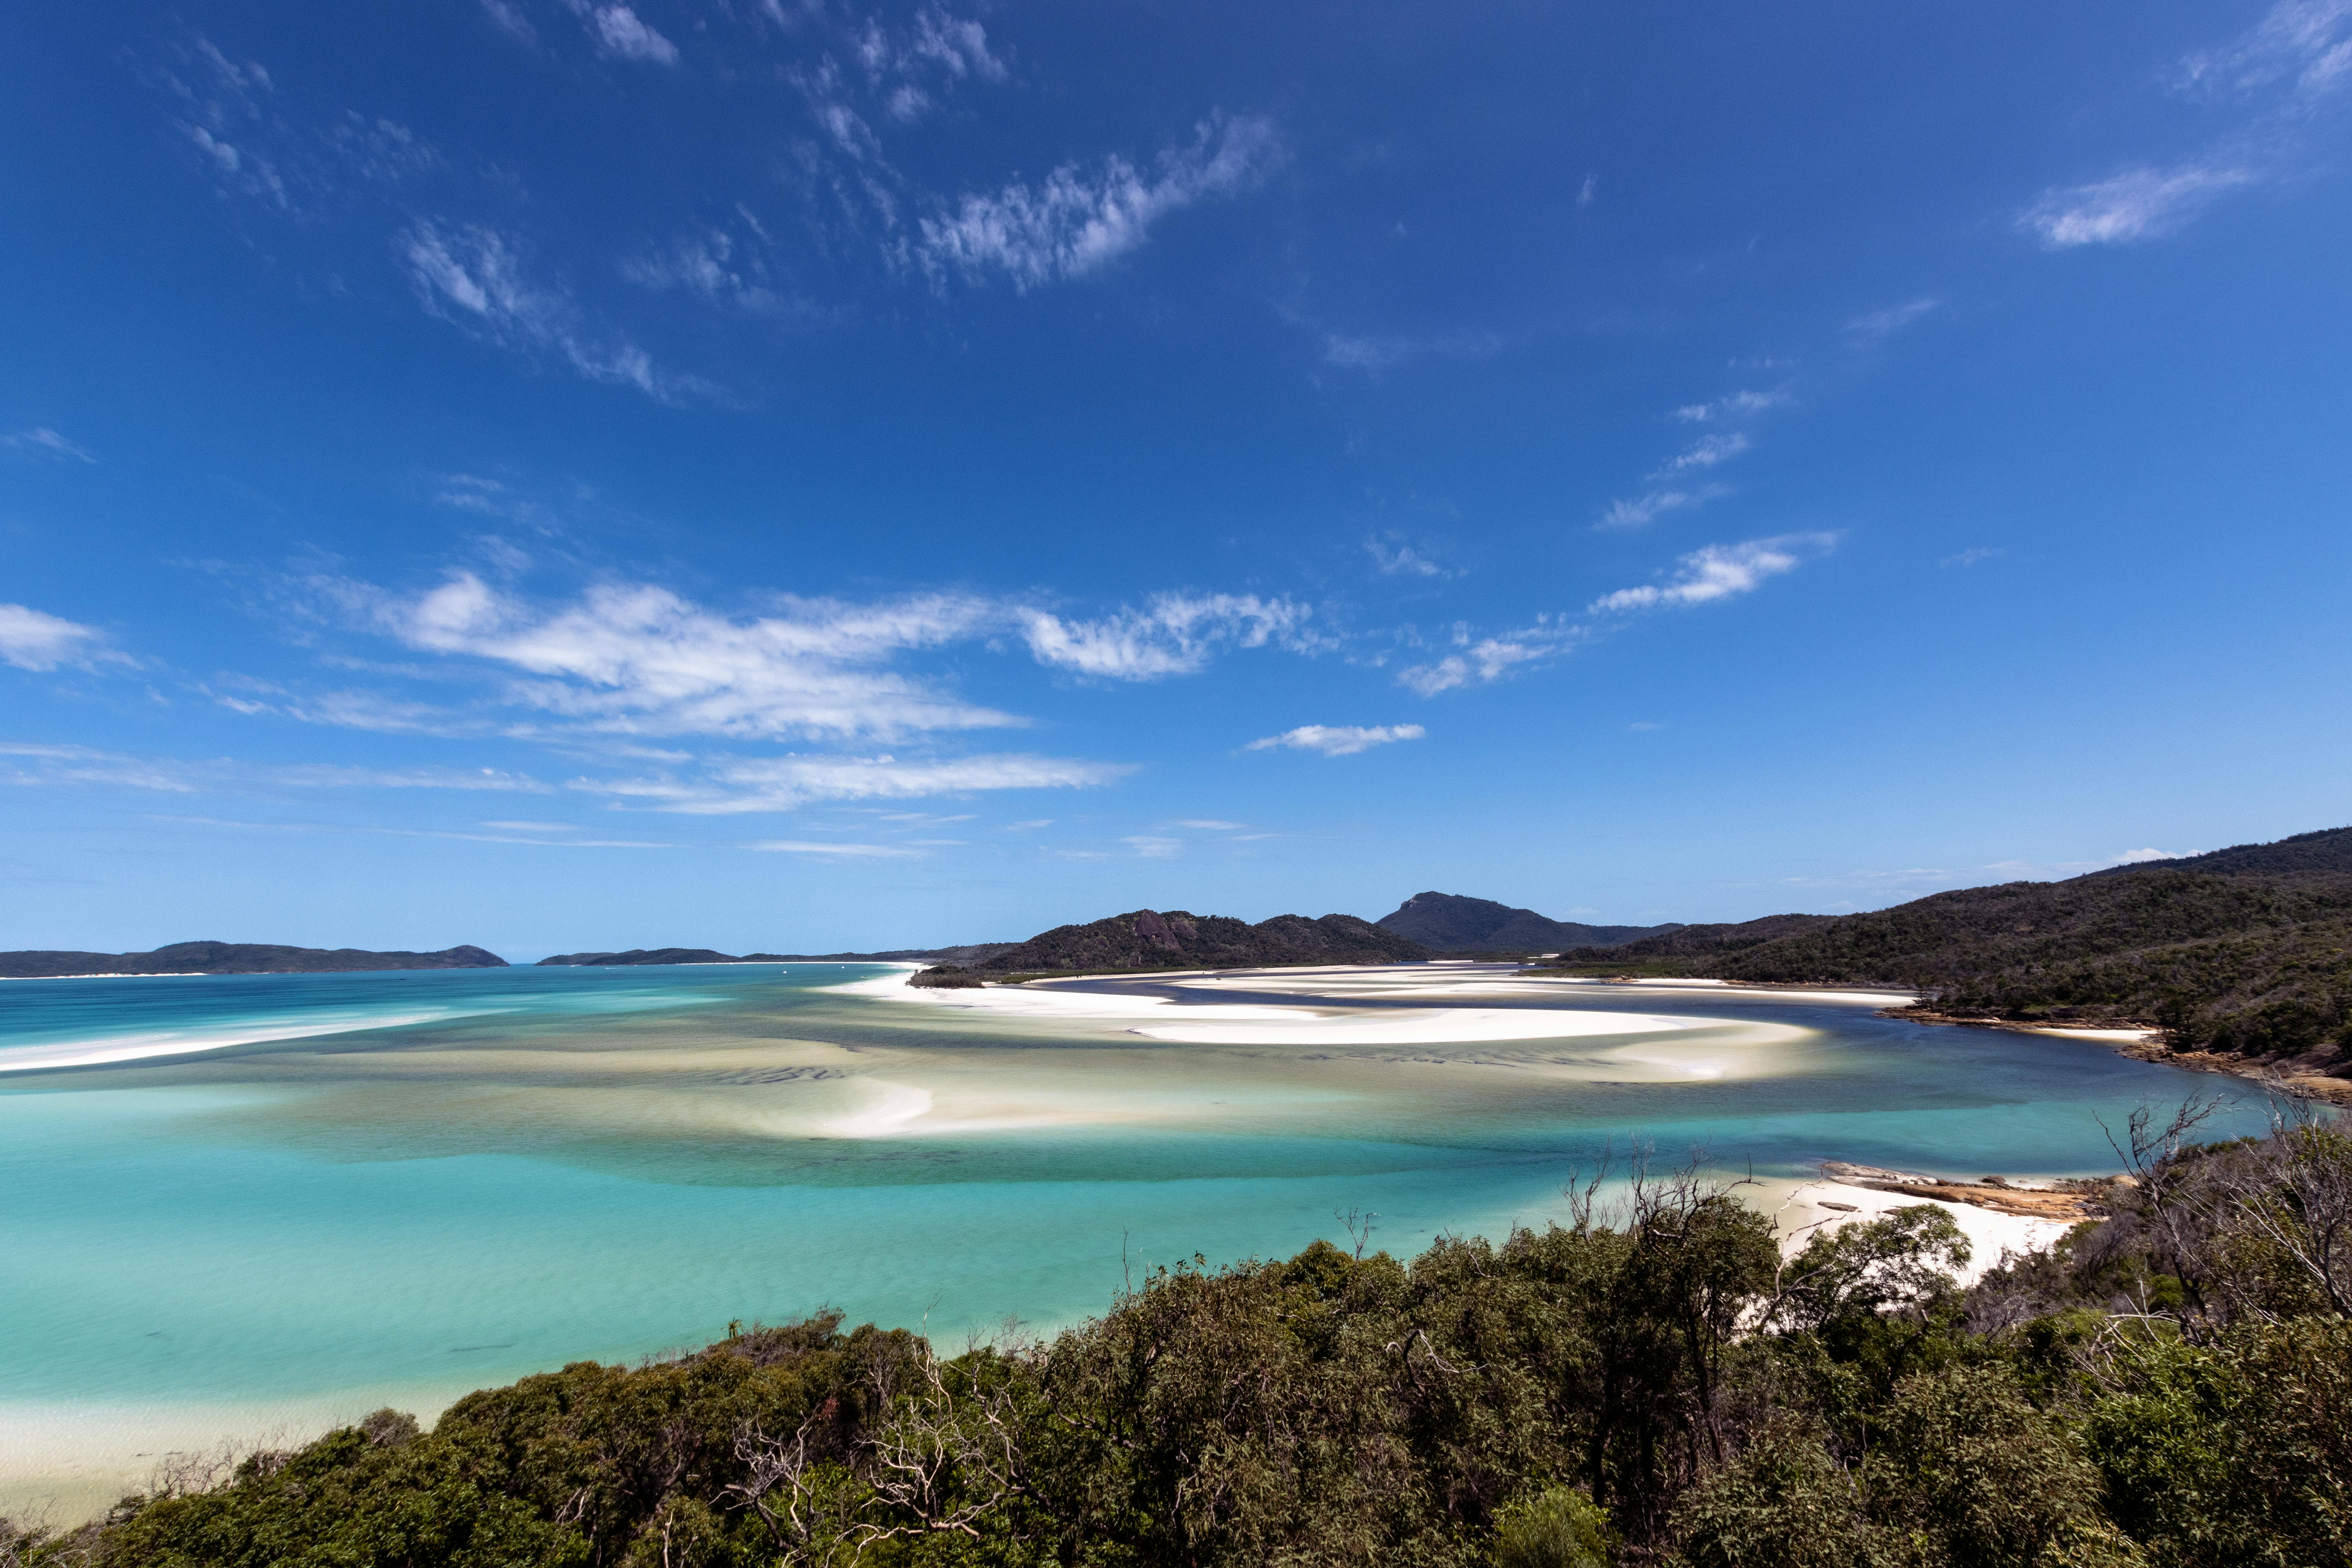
[
  {"x": 2138, "y": 203},
  {"x": 1374, "y": 353},
  {"x": 1706, "y": 453},
  {"x": 2283, "y": 68},
  {"x": 481, "y": 279},
  {"x": 735, "y": 786},
  {"x": 42, "y": 441},
  {"x": 32, "y": 639},
  {"x": 1392, "y": 557},
  {"x": 1889, "y": 319},
  {"x": 32, "y": 763},
  {"x": 1680, "y": 482},
  {"x": 1718, "y": 572},
  {"x": 1077, "y": 219},
  {"x": 1481, "y": 662},
  {"x": 826, "y": 850},
  {"x": 1737, "y": 405},
  {"x": 1173, "y": 634},
  {"x": 1338, "y": 740},
  {"x": 908, "y": 66},
  {"x": 1640, "y": 512},
  {"x": 619, "y": 32}
]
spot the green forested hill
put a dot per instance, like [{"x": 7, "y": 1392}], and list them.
[
  {"x": 1147, "y": 939},
  {"x": 2242, "y": 950}
]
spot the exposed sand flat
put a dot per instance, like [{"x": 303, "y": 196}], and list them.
[
  {"x": 1327, "y": 1020},
  {"x": 159, "y": 1043}
]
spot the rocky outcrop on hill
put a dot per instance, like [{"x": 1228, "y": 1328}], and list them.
[{"x": 235, "y": 958}]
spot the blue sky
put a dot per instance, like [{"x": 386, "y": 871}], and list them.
[{"x": 559, "y": 473}]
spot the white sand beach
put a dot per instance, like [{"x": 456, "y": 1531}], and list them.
[{"x": 1803, "y": 1208}]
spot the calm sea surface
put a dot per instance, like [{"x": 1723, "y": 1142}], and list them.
[{"x": 299, "y": 1185}]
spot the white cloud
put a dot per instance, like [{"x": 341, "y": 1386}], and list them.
[
  {"x": 1489, "y": 659},
  {"x": 1588, "y": 191},
  {"x": 1642, "y": 511},
  {"x": 1077, "y": 220},
  {"x": 1149, "y": 847},
  {"x": 1969, "y": 557},
  {"x": 712, "y": 265},
  {"x": 1718, "y": 572},
  {"x": 1175, "y": 634},
  {"x": 1209, "y": 825},
  {"x": 46, "y": 442},
  {"x": 477, "y": 277},
  {"x": 2140, "y": 856},
  {"x": 633, "y": 658},
  {"x": 2298, "y": 55},
  {"x": 777, "y": 784},
  {"x": 2139, "y": 203},
  {"x": 1338, "y": 740},
  {"x": 622, "y": 32},
  {"x": 1396, "y": 559},
  {"x": 32, "y": 640},
  {"x": 730, "y": 787},
  {"x": 1880, "y": 323},
  {"x": 1739, "y": 405},
  {"x": 510, "y": 19},
  {"x": 81, "y": 765},
  {"x": 1373, "y": 354},
  {"x": 2304, "y": 40},
  {"x": 837, "y": 851},
  {"x": 1707, "y": 452}
]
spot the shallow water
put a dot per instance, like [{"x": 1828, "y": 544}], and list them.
[{"x": 482, "y": 1174}]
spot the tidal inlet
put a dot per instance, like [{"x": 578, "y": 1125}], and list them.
[{"x": 246, "y": 1208}]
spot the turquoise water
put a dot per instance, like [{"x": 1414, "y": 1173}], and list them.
[{"x": 536, "y": 1166}]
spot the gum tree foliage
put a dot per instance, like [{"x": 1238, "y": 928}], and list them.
[{"x": 1648, "y": 1384}]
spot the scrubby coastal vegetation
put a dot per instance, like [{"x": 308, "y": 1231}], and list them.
[{"x": 1651, "y": 1382}]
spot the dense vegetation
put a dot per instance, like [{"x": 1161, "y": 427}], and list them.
[
  {"x": 235, "y": 958},
  {"x": 1146, "y": 939},
  {"x": 2246, "y": 950},
  {"x": 1448, "y": 923},
  {"x": 1651, "y": 1384}
]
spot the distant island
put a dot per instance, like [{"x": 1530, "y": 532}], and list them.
[
  {"x": 971, "y": 952},
  {"x": 234, "y": 958}
]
